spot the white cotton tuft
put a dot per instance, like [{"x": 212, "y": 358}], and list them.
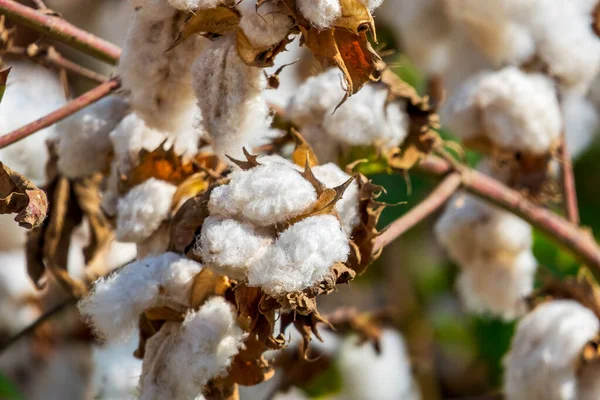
[
  {"x": 367, "y": 119},
  {"x": 316, "y": 97},
  {"x": 32, "y": 91},
  {"x": 331, "y": 176},
  {"x": 229, "y": 93},
  {"x": 84, "y": 146},
  {"x": 545, "y": 351},
  {"x": 320, "y": 13},
  {"x": 181, "y": 358},
  {"x": 160, "y": 80},
  {"x": 141, "y": 211},
  {"x": 372, "y": 4},
  {"x": 115, "y": 303},
  {"x": 190, "y": 5},
  {"x": 229, "y": 246},
  {"x": 115, "y": 372},
  {"x": 581, "y": 121},
  {"x": 301, "y": 256},
  {"x": 263, "y": 195},
  {"x": 515, "y": 110},
  {"x": 266, "y": 26}
]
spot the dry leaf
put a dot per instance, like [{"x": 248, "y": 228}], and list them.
[
  {"x": 355, "y": 18},
  {"x": 212, "y": 21},
  {"x": 249, "y": 367},
  {"x": 19, "y": 195},
  {"x": 303, "y": 153},
  {"x": 367, "y": 325},
  {"x": 164, "y": 314},
  {"x": 261, "y": 57},
  {"x": 206, "y": 284}
]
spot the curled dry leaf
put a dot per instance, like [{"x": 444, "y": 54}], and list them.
[
  {"x": 3, "y": 79},
  {"x": 187, "y": 222},
  {"x": 19, "y": 195},
  {"x": 212, "y": 22}
]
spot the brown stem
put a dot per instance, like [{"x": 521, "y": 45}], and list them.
[
  {"x": 573, "y": 238},
  {"x": 61, "y": 30},
  {"x": 568, "y": 184},
  {"x": 434, "y": 201},
  {"x": 40, "y": 4},
  {"x": 70, "y": 108}
]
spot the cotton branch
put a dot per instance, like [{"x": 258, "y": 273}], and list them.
[
  {"x": 568, "y": 183},
  {"x": 573, "y": 238},
  {"x": 61, "y": 30},
  {"x": 433, "y": 202},
  {"x": 70, "y": 108}
]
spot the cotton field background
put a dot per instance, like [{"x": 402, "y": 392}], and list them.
[{"x": 299, "y": 199}]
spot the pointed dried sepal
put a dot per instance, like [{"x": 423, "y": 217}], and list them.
[
  {"x": 303, "y": 154},
  {"x": 251, "y": 161}
]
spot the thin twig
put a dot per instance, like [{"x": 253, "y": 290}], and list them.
[
  {"x": 578, "y": 241},
  {"x": 433, "y": 202},
  {"x": 31, "y": 328},
  {"x": 70, "y": 108},
  {"x": 568, "y": 183},
  {"x": 61, "y": 30}
]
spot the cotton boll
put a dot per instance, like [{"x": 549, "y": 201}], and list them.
[
  {"x": 189, "y": 5},
  {"x": 367, "y": 375},
  {"x": 229, "y": 95},
  {"x": 460, "y": 113},
  {"x": 263, "y": 195},
  {"x": 545, "y": 351},
  {"x": 83, "y": 140},
  {"x": 159, "y": 80},
  {"x": 498, "y": 286},
  {"x": 143, "y": 209},
  {"x": 347, "y": 207},
  {"x": 229, "y": 246},
  {"x": 301, "y": 256},
  {"x": 367, "y": 119},
  {"x": 266, "y": 26},
  {"x": 320, "y": 13},
  {"x": 32, "y": 92},
  {"x": 581, "y": 122},
  {"x": 181, "y": 359},
  {"x": 316, "y": 97},
  {"x": 115, "y": 303}
]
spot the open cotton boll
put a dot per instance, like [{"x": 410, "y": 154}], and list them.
[
  {"x": 265, "y": 26},
  {"x": 229, "y": 95},
  {"x": 581, "y": 122},
  {"x": 143, "y": 209},
  {"x": 545, "y": 349},
  {"x": 367, "y": 119},
  {"x": 84, "y": 146},
  {"x": 367, "y": 375},
  {"x": 159, "y": 80},
  {"x": 190, "y": 5},
  {"x": 301, "y": 256},
  {"x": 498, "y": 286},
  {"x": 181, "y": 358},
  {"x": 115, "y": 303},
  {"x": 32, "y": 92},
  {"x": 347, "y": 207},
  {"x": 460, "y": 113},
  {"x": 316, "y": 97},
  {"x": 320, "y": 13},
  {"x": 263, "y": 195},
  {"x": 229, "y": 246}
]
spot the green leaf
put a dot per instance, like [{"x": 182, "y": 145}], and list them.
[
  {"x": 325, "y": 384},
  {"x": 3, "y": 78},
  {"x": 8, "y": 391}
]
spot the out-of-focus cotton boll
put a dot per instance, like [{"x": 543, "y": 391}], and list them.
[
  {"x": 545, "y": 349},
  {"x": 367, "y": 375},
  {"x": 229, "y": 95},
  {"x": 498, "y": 286},
  {"x": 159, "y": 80},
  {"x": 320, "y": 13},
  {"x": 152, "y": 8},
  {"x": 581, "y": 122},
  {"x": 266, "y": 26},
  {"x": 316, "y": 97},
  {"x": 84, "y": 146},
  {"x": 366, "y": 119},
  {"x": 32, "y": 92},
  {"x": 115, "y": 303},
  {"x": 181, "y": 358},
  {"x": 143, "y": 209},
  {"x": 301, "y": 255},
  {"x": 190, "y": 5},
  {"x": 263, "y": 195},
  {"x": 515, "y": 110},
  {"x": 331, "y": 176},
  {"x": 229, "y": 246}
]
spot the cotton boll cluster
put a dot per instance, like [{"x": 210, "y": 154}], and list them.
[
  {"x": 115, "y": 303},
  {"x": 83, "y": 143},
  {"x": 545, "y": 352},
  {"x": 159, "y": 80},
  {"x": 265, "y": 26},
  {"x": 511, "y": 109},
  {"x": 493, "y": 249},
  {"x": 229, "y": 94},
  {"x": 181, "y": 358}
]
